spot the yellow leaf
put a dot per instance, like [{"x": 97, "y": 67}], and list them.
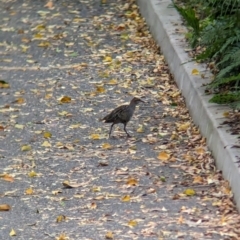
[
  {"x": 100, "y": 89},
  {"x": 95, "y": 136},
  {"x": 19, "y": 126},
  {"x": 195, "y": 72},
  {"x": 126, "y": 198},
  {"x": 112, "y": 82},
  {"x": 96, "y": 189},
  {"x": 26, "y": 148},
  {"x": 12, "y": 233},
  {"x": 140, "y": 129},
  {"x": 20, "y": 100},
  {"x": 44, "y": 44},
  {"x": 109, "y": 235},
  {"x": 40, "y": 27},
  {"x": 132, "y": 223},
  {"x": 73, "y": 126},
  {"x": 107, "y": 59},
  {"x": 32, "y": 174},
  {"x": 63, "y": 113},
  {"x": 164, "y": 156},
  {"x": 132, "y": 181},
  {"x": 4, "y": 207},
  {"x": 62, "y": 236},
  {"x": 180, "y": 220},
  {"x": 189, "y": 192},
  {"x": 107, "y": 146},
  {"x": 183, "y": 127},
  {"x": 47, "y": 135},
  {"x": 46, "y": 144},
  {"x": 61, "y": 218},
  {"x": 4, "y": 84},
  {"x": 226, "y": 114},
  {"x": 29, "y": 191},
  {"x": 65, "y": 99},
  {"x": 38, "y": 36}
]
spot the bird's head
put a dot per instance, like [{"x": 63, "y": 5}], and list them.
[{"x": 136, "y": 100}]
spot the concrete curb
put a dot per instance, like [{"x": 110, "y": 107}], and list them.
[{"x": 163, "y": 21}]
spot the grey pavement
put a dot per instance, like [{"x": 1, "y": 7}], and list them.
[{"x": 65, "y": 65}]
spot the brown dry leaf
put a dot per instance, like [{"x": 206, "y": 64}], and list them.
[
  {"x": 95, "y": 136},
  {"x": 19, "y": 100},
  {"x": 65, "y": 99},
  {"x": 226, "y": 114},
  {"x": 29, "y": 191},
  {"x": 164, "y": 156},
  {"x": 12, "y": 233},
  {"x": 5, "y": 207},
  {"x": 126, "y": 198},
  {"x": 197, "y": 179},
  {"x": 180, "y": 220},
  {"x": 195, "y": 72},
  {"x": 109, "y": 235},
  {"x": 1, "y": 128},
  {"x": 32, "y": 174},
  {"x": 100, "y": 89},
  {"x": 62, "y": 236},
  {"x": 67, "y": 184},
  {"x": 183, "y": 127},
  {"x": 49, "y": 4},
  {"x": 4, "y": 84},
  {"x": 47, "y": 135},
  {"x": 107, "y": 146},
  {"x": 189, "y": 192},
  {"x": 8, "y": 178},
  {"x": 200, "y": 150},
  {"x": 26, "y": 148},
  {"x": 132, "y": 181},
  {"x": 93, "y": 205},
  {"x": 132, "y": 223},
  {"x": 61, "y": 218}
]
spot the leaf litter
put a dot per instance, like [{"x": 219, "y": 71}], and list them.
[{"x": 75, "y": 62}]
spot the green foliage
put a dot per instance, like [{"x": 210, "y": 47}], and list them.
[{"x": 216, "y": 30}]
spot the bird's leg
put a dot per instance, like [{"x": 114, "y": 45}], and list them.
[
  {"x": 111, "y": 129},
  {"x": 126, "y": 130}
]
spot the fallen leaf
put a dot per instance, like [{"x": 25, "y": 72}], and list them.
[
  {"x": 19, "y": 126},
  {"x": 189, "y": 192},
  {"x": 4, "y": 207},
  {"x": 46, "y": 144},
  {"x": 32, "y": 174},
  {"x": 29, "y": 191},
  {"x": 65, "y": 99},
  {"x": 4, "y": 84},
  {"x": 61, "y": 218},
  {"x": 8, "y": 178},
  {"x": 26, "y": 148},
  {"x": 164, "y": 156},
  {"x": 126, "y": 198},
  {"x": 195, "y": 72},
  {"x": 47, "y": 135},
  {"x": 12, "y": 233},
  {"x": 109, "y": 235},
  {"x": 107, "y": 146},
  {"x": 132, "y": 181},
  {"x": 140, "y": 129},
  {"x": 132, "y": 223}
]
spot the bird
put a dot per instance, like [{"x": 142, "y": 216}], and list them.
[{"x": 122, "y": 114}]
